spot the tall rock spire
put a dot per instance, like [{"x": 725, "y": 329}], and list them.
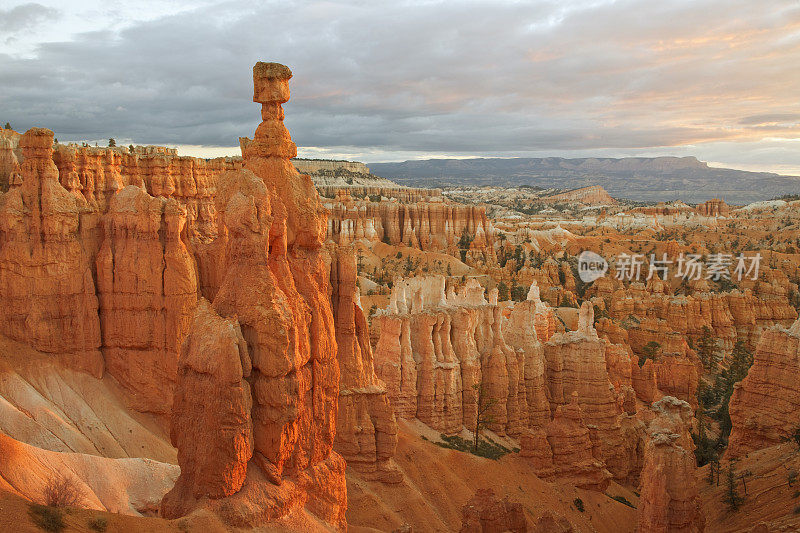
[{"x": 276, "y": 289}]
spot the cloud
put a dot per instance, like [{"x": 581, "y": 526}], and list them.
[
  {"x": 770, "y": 119},
  {"x": 24, "y": 17},
  {"x": 423, "y": 77}
]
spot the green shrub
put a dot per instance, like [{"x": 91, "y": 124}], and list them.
[
  {"x": 623, "y": 500},
  {"x": 98, "y": 524},
  {"x": 47, "y": 518},
  {"x": 578, "y": 504},
  {"x": 486, "y": 447}
]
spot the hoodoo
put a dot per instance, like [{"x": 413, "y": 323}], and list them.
[{"x": 276, "y": 290}]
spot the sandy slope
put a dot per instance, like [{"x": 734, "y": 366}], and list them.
[
  {"x": 130, "y": 486},
  {"x": 55, "y": 421},
  {"x": 440, "y": 481},
  {"x": 48, "y": 406}
]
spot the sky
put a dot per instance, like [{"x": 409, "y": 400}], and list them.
[{"x": 390, "y": 81}]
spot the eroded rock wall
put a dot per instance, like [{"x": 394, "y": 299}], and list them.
[
  {"x": 366, "y": 428},
  {"x": 424, "y": 224},
  {"x": 763, "y": 406},
  {"x": 437, "y": 350},
  {"x": 46, "y": 285},
  {"x": 147, "y": 288}
]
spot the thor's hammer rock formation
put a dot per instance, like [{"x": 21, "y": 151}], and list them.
[{"x": 275, "y": 289}]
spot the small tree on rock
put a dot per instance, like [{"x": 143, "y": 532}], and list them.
[
  {"x": 732, "y": 497},
  {"x": 484, "y": 416},
  {"x": 62, "y": 491},
  {"x": 503, "y": 293}
]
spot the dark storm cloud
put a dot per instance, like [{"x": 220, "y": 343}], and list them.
[{"x": 466, "y": 77}]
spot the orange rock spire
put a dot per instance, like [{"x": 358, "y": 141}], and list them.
[{"x": 275, "y": 287}]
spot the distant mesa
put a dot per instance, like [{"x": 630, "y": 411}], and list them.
[
  {"x": 649, "y": 179},
  {"x": 316, "y": 166},
  {"x": 585, "y": 195}
]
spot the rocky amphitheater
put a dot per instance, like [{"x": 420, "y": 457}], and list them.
[{"x": 277, "y": 344}]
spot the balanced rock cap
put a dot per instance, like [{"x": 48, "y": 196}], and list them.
[
  {"x": 271, "y": 86},
  {"x": 271, "y": 71}
]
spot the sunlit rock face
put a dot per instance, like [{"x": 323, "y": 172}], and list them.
[
  {"x": 486, "y": 513},
  {"x": 576, "y": 364},
  {"x": 426, "y": 223},
  {"x": 713, "y": 208},
  {"x": 740, "y": 314},
  {"x": 46, "y": 285},
  {"x": 438, "y": 347},
  {"x": 147, "y": 288},
  {"x": 276, "y": 291},
  {"x": 567, "y": 449},
  {"x": 97, "y": 174}
]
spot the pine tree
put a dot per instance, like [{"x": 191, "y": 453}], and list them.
[
  {"x": 741, "y": 361},
  {"x": 484, "y": 415},
  {"x": 112, "y": 142},
  {"x": 713, "y": 472},
  {"x": 707, "y": 348},
  {"x": 649, "y": 351},
  {"x": 731, "y": 496},
  {"x": 8, "y": 126},
  {"x": 503, "y": 293}
]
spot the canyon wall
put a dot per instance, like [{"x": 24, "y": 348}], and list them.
[
  {"x": 713, "y": 208},
  {"x": 46, "y": 283},
  {"x": 97, "y": 173},
  {"x": 585, "y": 195},
  {"x": 147, "y": 289},
  {"x": 763, "y": 406},
  {"x": 442, "y": 351},
  {"x": 739, "y": 314},
  {"x": 426, "y": 225},
  {"x": 312, "y": 166},
  {"x": 379, "y": 187},
  {"x": 576, "y": 364}
]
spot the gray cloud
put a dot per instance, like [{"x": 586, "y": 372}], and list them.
[
  {"x": 24, "y": 17},
  {"x": 469, "y": 77}
]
